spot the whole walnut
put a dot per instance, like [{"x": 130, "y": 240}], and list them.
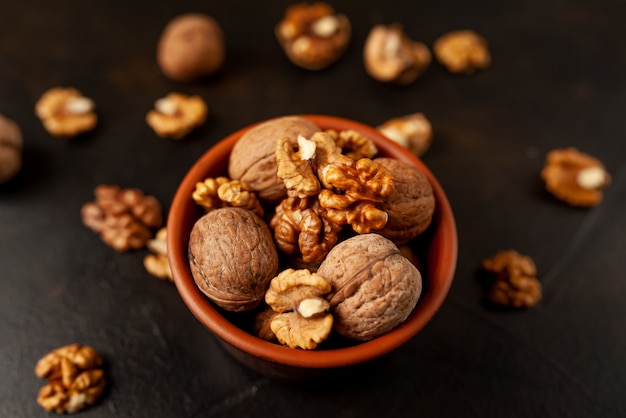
[
  {"x": 411, "y": 204},
  {"x": 232, "y": 257},
  {"x": 10, "y": 149},
  {"x": 374, "y": 287},
  {"x": 253, "y": 158},
  {"x": 191, "y": 47}
]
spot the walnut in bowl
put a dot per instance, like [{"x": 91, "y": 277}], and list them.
[{"x": 439, "y": 261}]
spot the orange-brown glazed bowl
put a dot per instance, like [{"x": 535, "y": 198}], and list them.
[{"x": 439, "y": 255}]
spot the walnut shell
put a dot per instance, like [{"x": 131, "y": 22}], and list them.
[
  {"x": 410, "y": 205},
  {"x": 10, "y": 149},
  {"x": 191, "y": 47},
  {"x": 232, "y": 257},
  {"x": 253, "y": 158},
  {"x": 374, "y": 287}
]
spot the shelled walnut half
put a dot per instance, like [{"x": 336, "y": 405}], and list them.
[
  {"x": 412, "y": 131},
  {"x": 176, "y": 115},
  {"x": 302, "y": 319},
  {"x": 390, "y": 56},
  {"x": 514, "y": 280},
  {"x": 462, "y": 51},
  {"x": 75, "y": 378},
  {"x": 65, "y": 112},
  {"x": 312, "y": 35},
  {"x": 122, "y": 217},
  {"x": 575, "y": 177}
]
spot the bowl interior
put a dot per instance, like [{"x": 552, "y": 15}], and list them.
[{"x": 439, "y": 258}]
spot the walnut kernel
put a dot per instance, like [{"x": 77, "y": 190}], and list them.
[
  {"x": 157, "y": 263},
  {"x": 462, "y": 51},
  {"x": 312, "y": 35},
  {"x": 514, "y": 284},
  {"x": 390, "y": 56},
  {"x": 10, "y": 149},
  {"x": 75, "y": 378},
  {"x": 65, "y": 112},
  {"x": 176, "y": 114},
  {"x": 122, "y": 217},
  {"x": 213, "y": 193},
  {"x": 413, "y": 132},
  {"x": 303, "y": 320},
  {"x": 575, "y": 177}
]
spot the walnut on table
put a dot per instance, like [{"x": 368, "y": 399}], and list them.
[
  {"x": 191, "y": 47},
  {"x": 75, "y": 378},
  {"x": 515, "y": 284},
  {"x": 157, "y": 263},
  {"x": 575, "y": 177},
  {"x": 122, "y": 217},
  {"x": 302, "y": 319},
  {"x": 391, "y": 56},
  {"x": 176, "y": 115},
  {"x": 312, "y": 35},
  {"x": 10, "y": 149},
  {"x": 65, "y": 112},
  {"x": 462, "y": 51},
  {"x": 412, "y": 131}
]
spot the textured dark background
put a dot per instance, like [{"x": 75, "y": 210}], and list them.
[{"x": 557, "y": 80}]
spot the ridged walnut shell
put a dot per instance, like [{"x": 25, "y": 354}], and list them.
[
  {"x": 232, "y": 257},
  {"x": 411, "y": 204},
  {"x": 253, "y": 158},
  {"x": 374, "y": 287}
]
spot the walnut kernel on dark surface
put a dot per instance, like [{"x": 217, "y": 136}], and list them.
[
  {"x": 122, "y": 217},
  {"x": 514, "y": 280},
  {"x": 410, "y": 205},
  {"x": 232, "y": 257},
  {"x": 253, "y": 158},
  {"x": 374, "y": 287}
]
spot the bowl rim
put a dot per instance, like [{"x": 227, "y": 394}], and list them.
[{"x": 440, "y": 275}]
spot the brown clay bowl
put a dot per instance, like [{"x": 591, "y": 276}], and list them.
[{"x": 439, "y": 257}]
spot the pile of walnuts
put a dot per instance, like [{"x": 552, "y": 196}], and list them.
[{"x": 305, "y": 231}]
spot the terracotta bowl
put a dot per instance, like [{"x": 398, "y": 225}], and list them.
[{"x": 439, "y": 257}]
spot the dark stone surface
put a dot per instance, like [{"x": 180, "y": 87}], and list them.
[{"x": 557, "y": 79}]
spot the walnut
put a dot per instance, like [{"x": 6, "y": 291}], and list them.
[
  {"x": 411, "y": 203},
  {"x": 232, "y": 257},
  {"x": 176, "y": 114},
  {"x": 10, "y": 149},
  {"x": 253, "y": 158},
  {"x": 303, "y": 320},
  {"x": 390, "y": 56},
  {"x": 213, "y": 193},
  {"x": 65, "y": 112},
  {"x": 297, "y": 168},
  {"x": 514, "y": 284},
  {"x": 75, "y": 378},
  {"x": 575, "y": 177},
  {"x": 157, "y": 263},
  {"x": 191, "y": 47},
  {"x": 352, "y": 189},
  {"x": 462, "y": 51},
  {"x": 353, "y": 144},
  {"x": 300, "y": 227},
  {"x": 312, "y": 35},
  {"x": 122, "y": 217},
  {"x": 262, "y": 324},
  {"x": 413, "y": 132},
  {"x": 374, "y": 288}
]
